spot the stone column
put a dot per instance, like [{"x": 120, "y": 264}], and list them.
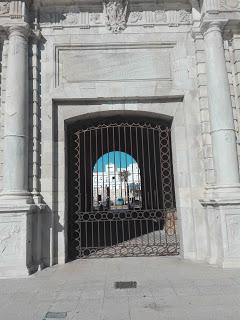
[
  {"x": 220, "y": 108},
  {"x": 18, "y": 218},
  {"x": 16, "y": 117},
  {"x": 222, "y": 203}
]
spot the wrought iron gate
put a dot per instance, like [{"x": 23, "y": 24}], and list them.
[{"x": 121, "y": 192}]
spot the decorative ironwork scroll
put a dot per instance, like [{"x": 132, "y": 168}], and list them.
[{"x": 122, "y": 206}]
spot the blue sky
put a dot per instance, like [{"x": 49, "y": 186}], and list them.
[{"x": 121, "y": 159}]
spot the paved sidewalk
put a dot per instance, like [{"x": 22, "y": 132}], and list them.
[{"x": 168, "y": 288}]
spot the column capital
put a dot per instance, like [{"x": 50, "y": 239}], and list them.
[
  {"x": 19, "y": 30},
  {"x": 212, "y": 26}
]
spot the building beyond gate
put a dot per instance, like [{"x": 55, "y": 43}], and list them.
[{"x": 88, "y": 80}]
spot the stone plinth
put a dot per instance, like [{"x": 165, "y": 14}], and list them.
[
  {"x": 223, "y": 219},
  {"x": 17, "y": 233}
]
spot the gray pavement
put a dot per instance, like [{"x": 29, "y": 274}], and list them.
[{"x": 167, "y": 288}]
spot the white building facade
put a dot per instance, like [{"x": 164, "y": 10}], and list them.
[
  {"x": 111, "y": 184},
  {"x": 64, "y": 61}
]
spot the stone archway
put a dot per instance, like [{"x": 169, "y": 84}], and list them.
[
  {"x": 110, "y": 229},
  {"x": 173, "y": 111}
]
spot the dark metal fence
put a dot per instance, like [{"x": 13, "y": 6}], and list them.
[
  {"x": 127, "y": 233},
  {"x": 122, "y": 191}
]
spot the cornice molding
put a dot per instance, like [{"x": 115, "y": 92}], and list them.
[
  {"x": 14, "y": 10},
  {"x": 91, "y": 3},
  {"x": 217, "y": 6},
  {"x": 116, "y": 18},
  {"x": 229, "y": 5}
]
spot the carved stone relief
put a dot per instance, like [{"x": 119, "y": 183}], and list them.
[
  {"x": 135, "y": 17},
  {"x": 4, "y": 8},
  {"x": 184, "y": 17},
  {"x": 115, "y": 13},
  {"x": 96, "y": 18},
  {"x": 160, "y": 16},
  {"x": 116, "y": 18},
  {"x": 72, "y": 18},
  {"x": 230, "y": 5}
]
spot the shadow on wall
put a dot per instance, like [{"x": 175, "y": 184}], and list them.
[
  {"x": 41, "y": 230},
  {"x": 40, "y": 254},
  {"x": 43, "y": 224}
]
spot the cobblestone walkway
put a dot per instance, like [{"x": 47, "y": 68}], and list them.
[{"x": 167, "y": 288}]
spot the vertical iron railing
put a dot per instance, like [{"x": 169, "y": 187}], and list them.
[{"x": 123, "y": 190}]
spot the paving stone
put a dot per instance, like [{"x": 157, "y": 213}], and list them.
[{"x": 172, "y": 289}]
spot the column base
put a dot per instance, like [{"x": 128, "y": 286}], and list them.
[
  {"x": 223, "y": 193},
  {"x": 17, "y": 238},
  {"x": 18, "y": 197},
  {"x": 223, "y": 219}
]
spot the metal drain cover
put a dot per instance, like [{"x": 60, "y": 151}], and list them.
[
  {"x": 55, "y": 315},
  {"x": 126, "y": 285}
]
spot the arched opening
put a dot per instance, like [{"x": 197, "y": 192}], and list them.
[
  {"x": 116, "y": 182},
  {"x": 121, "y": 189}
]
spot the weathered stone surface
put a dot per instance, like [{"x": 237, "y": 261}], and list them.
[{"x": 166, "y": 59}]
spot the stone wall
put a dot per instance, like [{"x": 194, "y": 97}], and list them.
[{"x": 156, "y": 58}]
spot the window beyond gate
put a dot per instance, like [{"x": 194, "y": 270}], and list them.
[{"x": 121, "y": 191}]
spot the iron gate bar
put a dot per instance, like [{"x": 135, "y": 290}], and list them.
[
  {"x": 162, "y": 240},
  {"x": 145, "y": 223}
]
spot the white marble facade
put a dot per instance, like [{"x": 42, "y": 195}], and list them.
[{"x": 64, "y": 60}]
